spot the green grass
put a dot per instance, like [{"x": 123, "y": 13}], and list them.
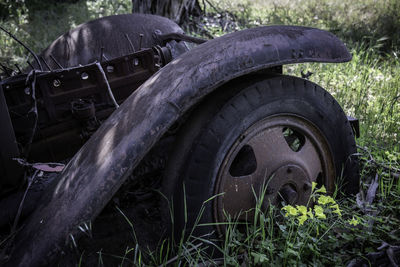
[
  {"x": 332, "y": 232},
  {"x": 370, "y": 21},
  {"x": 367, "y": 88}
]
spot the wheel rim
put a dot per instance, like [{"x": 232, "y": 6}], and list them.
[{"x": 285, "y": 153}]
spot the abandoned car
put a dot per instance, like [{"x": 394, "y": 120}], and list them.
[{"x": 101, "y": 96}]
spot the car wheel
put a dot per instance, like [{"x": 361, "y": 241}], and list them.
[{"x": 278, "y": 131}]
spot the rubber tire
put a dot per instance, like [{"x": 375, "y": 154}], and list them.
[{"x": 216, "y": 124}]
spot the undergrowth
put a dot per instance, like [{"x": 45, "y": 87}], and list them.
[{"x": 328, "y": 231}]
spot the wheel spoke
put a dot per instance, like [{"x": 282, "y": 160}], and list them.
[
  {"x": 310, "y": 158},
  {"x": 238, "y": 193},
  {"x": 271, "y": 150}
]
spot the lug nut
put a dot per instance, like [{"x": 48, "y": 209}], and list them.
[{"x": 289, "y": 194}]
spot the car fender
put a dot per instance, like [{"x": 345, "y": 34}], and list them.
[
  {"x": 109, "y": 37},
  {"x": 98, "y": 170}
]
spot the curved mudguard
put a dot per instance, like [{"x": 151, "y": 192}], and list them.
[
  {"x": 97, "y": 171},
  {"x": 109, "y": 37}
]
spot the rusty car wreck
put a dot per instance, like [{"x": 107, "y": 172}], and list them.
[{"x": 102, "y": 95}]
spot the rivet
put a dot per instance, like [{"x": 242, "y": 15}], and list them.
[
  {"x": 56, "y": 83},
  {"x": 84, "y": 76}
]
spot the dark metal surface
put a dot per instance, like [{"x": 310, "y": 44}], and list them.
[
  {"x": 355, "y": 125},
  {"x": 101, "y": 166},
  {"x": 58, "y": 90},
  {"x": 10, "y": 171},
  {"x": 108, "y": 37},
  {"x": 285, "y": 164}
]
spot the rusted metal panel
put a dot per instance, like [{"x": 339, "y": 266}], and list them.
[
  {"x": 101, "y": 166},
  {"x": 57, "y": 90}
]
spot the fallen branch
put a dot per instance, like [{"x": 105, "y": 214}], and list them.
[
  {"x": 26, "y": 47},
  {"x": 392, "y": 171},
  {"x": 386, "y": 256}
]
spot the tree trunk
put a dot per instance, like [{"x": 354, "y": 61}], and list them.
[{"x": 177, "y": 10}]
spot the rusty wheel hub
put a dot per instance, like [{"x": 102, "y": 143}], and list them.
[
  {"x": 290, "y": 183},
  {"x": 281, "y": 155}
]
